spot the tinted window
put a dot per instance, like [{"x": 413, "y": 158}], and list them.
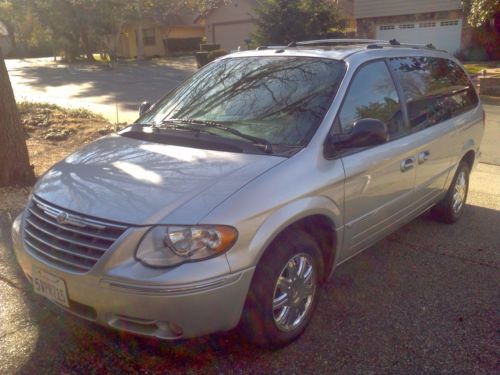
[
  {"x": 435, "y": 89},
  {"x": 281, "y": 99},
  {"x": 372, "y": 95}
]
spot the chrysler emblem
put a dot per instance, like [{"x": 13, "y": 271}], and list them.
[{"x": 62, "y": 218}]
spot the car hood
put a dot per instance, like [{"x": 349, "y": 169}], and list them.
[{"x": 138, "y": 182}]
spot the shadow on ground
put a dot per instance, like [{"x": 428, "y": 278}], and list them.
[
  {"x": 422, "y": 300},
  {"x": 127, "y": 83}
]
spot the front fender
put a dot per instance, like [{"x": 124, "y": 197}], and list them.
[{"x": 277, "y": 221}]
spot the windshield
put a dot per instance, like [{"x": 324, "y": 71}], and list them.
[{"x": 279, "y": 99}]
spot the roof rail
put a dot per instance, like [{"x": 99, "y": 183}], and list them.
[
  {"x": 391, "y": 44},
  {"x": 326, "y": 42},
  {"x": 370, "y": 44}
]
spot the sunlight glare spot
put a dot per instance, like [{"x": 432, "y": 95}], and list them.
[
  {"x": 180, "y": 153},
  {"x": 138, "y": 172}
]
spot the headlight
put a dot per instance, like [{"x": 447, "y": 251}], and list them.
[{"x": 164, "y": 246}]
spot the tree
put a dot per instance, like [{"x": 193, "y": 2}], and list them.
[
  {"x": 15, "y": 168},
  {"x": 479, "y": 11},
  {"x": 285, "y": 21}
]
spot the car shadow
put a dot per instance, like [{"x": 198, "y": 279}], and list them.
[{"x": 401, "y": 305}]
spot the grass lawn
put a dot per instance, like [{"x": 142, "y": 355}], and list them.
[{"x": 477, "y": 67}]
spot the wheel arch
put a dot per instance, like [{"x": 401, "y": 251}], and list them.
[
  {"x": 469, "y": 157},
  {"x": 317, "y": 216}
]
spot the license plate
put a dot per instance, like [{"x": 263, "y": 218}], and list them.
[{"x": 50, "y": 286}]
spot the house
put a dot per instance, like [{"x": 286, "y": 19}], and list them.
[
  {"x": 440, "y": 22},
  {"x": 232, "y": 24},
  {"x": 172, "y": 34}
]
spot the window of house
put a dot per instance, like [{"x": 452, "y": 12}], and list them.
[
  {"x": 372, "y": 94},
  {"x": 427, "y": 24},
  {"x": 435, "y": 89},
  {"x": 149, "y": 37},
  {"x": 449, "y": 23},
  {"x": 407, "y": 26},
  {"x": 387, "y": 27}
]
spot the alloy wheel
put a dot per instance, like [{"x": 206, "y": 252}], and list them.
[{"x": 294, "y": 292}]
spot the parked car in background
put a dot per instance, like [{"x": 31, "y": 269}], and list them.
[{"x": 232, "y": 199}]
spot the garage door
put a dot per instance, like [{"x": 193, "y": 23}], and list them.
[{"x": 443, "y": 34}]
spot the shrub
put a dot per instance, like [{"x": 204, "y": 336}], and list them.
[
  {"x": 209, "y": 47},
  {"x": 203, "y": 58},
  {"x": 212, "y": 55}
]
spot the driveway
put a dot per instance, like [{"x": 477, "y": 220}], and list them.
[
  {"x": 490, "y": 147},
  {"x": 424, "y": 300},
  {"x": 100, "y": 89}
]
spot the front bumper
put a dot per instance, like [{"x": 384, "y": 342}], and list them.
[{"x": 125, "y": 297}]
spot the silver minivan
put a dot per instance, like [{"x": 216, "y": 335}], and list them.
[{"x": 233, "y": 198}]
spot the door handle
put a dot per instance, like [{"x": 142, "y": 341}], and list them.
[
  {"x": 423, "y": 157},
  {"x": 407, "y": 164}
]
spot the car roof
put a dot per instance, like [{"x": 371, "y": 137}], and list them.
[{"x": 341, "y": 49}]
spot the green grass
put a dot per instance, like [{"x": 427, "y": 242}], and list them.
[
  {"x": 478, "y": 67},
  {"x": 71, "y": 112}
]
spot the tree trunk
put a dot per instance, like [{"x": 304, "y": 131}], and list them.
[
  {"x": 15, "y": 168},
  {"x": 87, "y": 46},
  {"x": 140, "y": 34}
]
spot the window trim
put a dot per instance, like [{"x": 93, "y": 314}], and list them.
[{"x": 340, "y": 153}]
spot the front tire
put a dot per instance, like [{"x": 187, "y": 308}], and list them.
[
  {"x": 284, "y": 291},
  {"x": 451, "y": 208}
]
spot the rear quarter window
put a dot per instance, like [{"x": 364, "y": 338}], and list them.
[{"x": 435, "y": 89}]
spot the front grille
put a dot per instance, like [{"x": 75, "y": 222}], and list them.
[{"x": 68, "y": 240}]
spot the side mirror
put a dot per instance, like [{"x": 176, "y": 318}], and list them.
[
  {"x": 365, "y": 132},
  {"x": 144, "y": 107}
]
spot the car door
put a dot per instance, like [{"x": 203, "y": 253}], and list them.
[
  {"x": 379, "y": 179},
  {"x": 435, "y": 91}
]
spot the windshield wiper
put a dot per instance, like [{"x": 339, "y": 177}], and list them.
[{"x": 199, "y": 124}]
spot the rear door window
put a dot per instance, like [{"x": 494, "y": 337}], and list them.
[{"x": 435, "y": 89}]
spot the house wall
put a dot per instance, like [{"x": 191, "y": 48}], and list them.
[
  {"x": 380, "y": 8},
  {"x": 230, "y": 24},
  {"x": 128, "y": 43}
]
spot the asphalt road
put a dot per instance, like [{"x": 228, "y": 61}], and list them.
[
  {"x": 425, "y": 300},
  {"x": 98, "y": 88}
]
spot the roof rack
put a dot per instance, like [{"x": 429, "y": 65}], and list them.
[
  {"x": 329, "y": 42},
  {"x": 370, "y": 44},
  {"x": 395, "y": 44}
]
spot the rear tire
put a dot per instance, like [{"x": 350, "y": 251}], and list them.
[
  {"x": 284, "y": 291},
  {"x": 451, "y": 208}
]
